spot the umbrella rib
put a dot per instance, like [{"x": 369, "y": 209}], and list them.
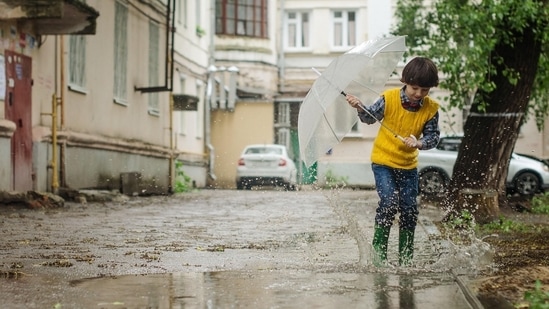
[{"x": 330, "y": 126}]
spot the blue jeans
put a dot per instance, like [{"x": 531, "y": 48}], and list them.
[{"x": 397, "y": 190}]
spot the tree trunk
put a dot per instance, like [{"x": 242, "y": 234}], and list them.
[{"x": 490, "y": 135}]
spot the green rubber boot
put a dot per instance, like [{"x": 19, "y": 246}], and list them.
[
  {"x": 379, "y": 243},
  {"x": 405, "y": 247}
]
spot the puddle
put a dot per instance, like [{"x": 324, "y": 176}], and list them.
[
  {"x": 287, "y": 253},
  {"x": 271, "y": 289}
]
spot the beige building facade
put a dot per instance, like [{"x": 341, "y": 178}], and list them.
[
  {"x": 245, "y": 77},
  {"x": 108, "y": 90},
  {"x": 136, "y": 88}
]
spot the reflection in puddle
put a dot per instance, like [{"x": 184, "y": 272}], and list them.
[{"x": 272, "y": 289}]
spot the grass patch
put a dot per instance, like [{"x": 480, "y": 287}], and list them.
[
  {"x": 504, "y": 225},
  {"x": 537, "y": 298},
  {"x": 540, "y": 204}
]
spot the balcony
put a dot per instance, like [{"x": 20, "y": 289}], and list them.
[{"x": 45, "y": 17}]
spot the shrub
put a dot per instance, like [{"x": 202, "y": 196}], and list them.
[
  {"x": 537, "y": 298},
  {"x": 183, "y": 182},
  {"x": 540, "y": 204}
]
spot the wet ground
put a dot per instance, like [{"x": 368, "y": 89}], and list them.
[{"x": 225, "y": 249}]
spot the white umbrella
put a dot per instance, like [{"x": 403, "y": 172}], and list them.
[{"x": 325, "y": 117}]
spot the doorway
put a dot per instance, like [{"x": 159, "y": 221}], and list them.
[{"x": 18, "y": 108}]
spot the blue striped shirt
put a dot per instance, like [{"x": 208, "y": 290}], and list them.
[{"x": 430, "y": 133}]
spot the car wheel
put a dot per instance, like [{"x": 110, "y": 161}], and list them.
[
  {"x": 289, "y": 187},
  {"x": 239, "y": 185},
  {"x": 432, "y": 182},
  {"x": 526, "y": 183}
]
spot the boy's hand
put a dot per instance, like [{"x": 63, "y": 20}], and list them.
[
  {"x": 412, "y": 142},
  {"x": 354, "y": 101}
]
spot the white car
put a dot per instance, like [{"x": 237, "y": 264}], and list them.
[
  {"x": 267, "y": 165},
  {"x": 526, "y": 175}
]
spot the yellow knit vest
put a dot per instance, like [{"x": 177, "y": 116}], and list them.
[{"x": 390, "y": 151}]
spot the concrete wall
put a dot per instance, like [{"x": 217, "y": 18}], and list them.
[
  {"x": 250, "y": 123},
  {"x": 103, "y": 169},
  {"x": 6, "y": 131},
  {"x": 5, "y": 164}
]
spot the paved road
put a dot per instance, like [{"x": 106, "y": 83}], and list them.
[{"x": 224, "y": 249}]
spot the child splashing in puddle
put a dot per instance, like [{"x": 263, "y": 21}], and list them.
[{"x": 411, "y": 113}]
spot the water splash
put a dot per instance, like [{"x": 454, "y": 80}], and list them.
[
  {"x": 355, "y": 229},
  {"x": 462, "y": 252}
]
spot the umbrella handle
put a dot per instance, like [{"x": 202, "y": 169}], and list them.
[{"x": 411, "y": 135}]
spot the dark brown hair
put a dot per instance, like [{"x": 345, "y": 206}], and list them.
[{"x": 421, "y": 72}]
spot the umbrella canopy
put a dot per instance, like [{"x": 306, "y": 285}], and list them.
[{"x": 325, "y": 117}]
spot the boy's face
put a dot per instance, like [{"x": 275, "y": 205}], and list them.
[{"x": 416, "y": 93}]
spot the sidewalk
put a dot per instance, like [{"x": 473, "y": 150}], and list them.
[{"x": 218, "y": 249}]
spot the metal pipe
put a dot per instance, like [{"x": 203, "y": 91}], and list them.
[
  {"x": 62, "y": 80},
  {"x": 170, "y": 51},
  {"x": 62, "y": 169},
  {"x": 209, "y": 93},
  {"x": 281, "y": 55},
  {"x": 171, "y": 171},
  {"x": 210, "y": 90},
  {"x": 54, "y": 180}
]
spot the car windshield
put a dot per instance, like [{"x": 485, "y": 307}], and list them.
[
  {"x": 449, "y": 143},
  {"x": 264, "y": 150}
]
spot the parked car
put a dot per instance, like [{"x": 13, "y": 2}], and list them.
[
  {"x": 526, "y": 175},
  {"x": 267, "y": 165}
]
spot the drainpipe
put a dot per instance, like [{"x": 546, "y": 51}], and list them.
[
  {"x": 209, "y": 93},
  {"x": 61, "y": 103},
  {"x": 171, "y": 171},
  {"x": 54, "y": 102},
  {"x": 281, "y": 58},
  {"x": 210, "y": 90},
  {"x": 170, "y": 51},
  {"x": 53, "y": 163},
  {"x": 54, "y": 181}
]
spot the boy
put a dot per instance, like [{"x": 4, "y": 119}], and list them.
[{"x": 411, "y": 113}]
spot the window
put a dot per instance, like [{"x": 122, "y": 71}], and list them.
[
  {"x": 181, "y": 9},
  {"x": 198, "y": 10},
  {"x": 297, "y": 29},
  {"x": 283, "y": 137},
  {"x": 241, "y": 17},
  {"x": 283, "y": 124},
  {"x": 77, "y": 62},
  {"x": 284, "y": 114},
  {"x": 154, "y": 45},
  {"x": 344, "y": 24},
  {"x": 120, "y": 52}
]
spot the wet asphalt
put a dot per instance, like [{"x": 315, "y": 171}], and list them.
[{"x": 263, "y": 248}]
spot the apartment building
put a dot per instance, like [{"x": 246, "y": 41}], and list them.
[
  {"x": 104, "y": 72},
  {"x": 135, "y": 86}
]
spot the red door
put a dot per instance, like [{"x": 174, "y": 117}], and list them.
[{"x": 18, "y": 109}]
